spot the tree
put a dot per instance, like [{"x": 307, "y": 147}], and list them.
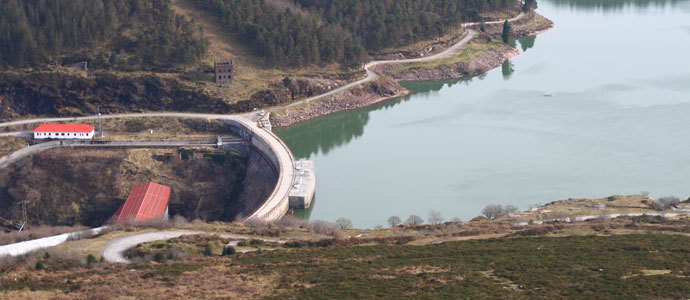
[
  {"x": 343, "y": 223},
  {"x": 493, "y": 211},
  {"x": 287, "y": 81},
  {"x": 208, "y": 251},
  {"x": 666, "y": 202},
  {"x": 510, "y": 208},
  {"x": 229, "y": 250},
  {"x": 394, "y": 221},
  {"x": 435, "y": 217},
  {"x": 529, "y": 5},
  {"x": 90, "y": 259},
  {"x": 414, "y": 220},
  {"x": 507, "y": 32}
]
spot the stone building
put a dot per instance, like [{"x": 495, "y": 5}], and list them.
[{"x": 224, "y": 72}]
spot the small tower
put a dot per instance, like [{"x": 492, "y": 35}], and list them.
[{"x": 224, "y": 72}]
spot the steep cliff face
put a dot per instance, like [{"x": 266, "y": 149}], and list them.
[{"x": 61, "y": 94}]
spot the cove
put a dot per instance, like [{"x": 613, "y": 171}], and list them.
[{"x": 597, "y": 106}]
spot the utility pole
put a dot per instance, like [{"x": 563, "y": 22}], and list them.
[{"x": 100, "y": 127}]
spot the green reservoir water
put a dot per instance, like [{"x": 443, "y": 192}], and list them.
[{"x": 618, "y": 122}]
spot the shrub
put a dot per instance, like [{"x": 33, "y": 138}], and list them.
[
  {"x": 665, "y": 203},
  {"x": 229, "y": 250},
  {"x": 90, "y": 259},
  {"x": 46, "y": 255},
  {"x": 158, "y": 257},
  {"x": 208, "y": 250},
  {"x": 39, "y": 265}
]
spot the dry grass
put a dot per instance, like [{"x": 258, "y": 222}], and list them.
[{"x": 9, "y": 144}]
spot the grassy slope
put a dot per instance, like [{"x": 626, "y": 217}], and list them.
[{"x": 620, "y": 267}]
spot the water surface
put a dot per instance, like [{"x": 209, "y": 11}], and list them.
[{"x": 616, "y": 123}]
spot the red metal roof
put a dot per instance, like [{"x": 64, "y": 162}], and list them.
[
  {"x": 145, "y": 202},
  {"x": 64, "y": 128}
]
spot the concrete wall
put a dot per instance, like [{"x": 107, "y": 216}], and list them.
[{"x": 279, "y": 158}]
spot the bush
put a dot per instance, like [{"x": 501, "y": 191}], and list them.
[
  {"x": 229, "y": 250},
  {"x": 665, "y": 203},
  {"x": 158, "y": 257},
  {"x": 90, "y": 259},
  {"x": 208, "y": 250},
  {"x": 39, "y": 265}
]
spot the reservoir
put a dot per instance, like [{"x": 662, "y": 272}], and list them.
[{"x": 598, "y": 106}]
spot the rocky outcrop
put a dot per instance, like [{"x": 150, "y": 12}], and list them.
[
  {"x": 367, "y": 94},
  {"x": 62, "y": 94}
]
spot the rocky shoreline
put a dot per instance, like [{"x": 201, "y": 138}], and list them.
[{"x": 387, "y": 87}]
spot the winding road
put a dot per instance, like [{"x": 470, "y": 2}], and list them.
[{"x": 115, "y": 249}]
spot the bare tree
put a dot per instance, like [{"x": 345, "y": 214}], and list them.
[
  {"x": 323, "y": 227},
  {"x": 394, "y": 221},
  {"x": 456, "y": 220},
  {"x": 435, "y": 217},
  {"x": 492, "y": 211},
  {"x": 664, "y": 203},
  {"x": 414, "y": 220},
  {"x": 509, "y": 208},
  {"x": 344, "y": 223}
]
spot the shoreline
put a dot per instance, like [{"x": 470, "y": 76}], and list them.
[{"x": 370, "y": 93}]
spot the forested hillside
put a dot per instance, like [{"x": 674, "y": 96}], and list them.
[
  {"x": 386, "y": 23},
  {"x": 340, "y": 31},
  {"x": 123, "y": 34}
]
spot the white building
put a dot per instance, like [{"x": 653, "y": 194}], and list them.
[{"x": 64, "y": 131}]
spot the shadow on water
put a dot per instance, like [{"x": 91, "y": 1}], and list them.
[
  {"x": 324, "y": 134},
  {"x": 304, "y": 214},
  {"x": 611, "y": 5}
]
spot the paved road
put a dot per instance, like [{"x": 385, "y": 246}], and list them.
[{"x": 115, "y": 249}]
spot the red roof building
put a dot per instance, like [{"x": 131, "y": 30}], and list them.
[
  {"x": 64, "y": 131},
  {"x": 145, "y": 202}
]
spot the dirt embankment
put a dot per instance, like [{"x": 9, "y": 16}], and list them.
[{"x": 361, "y": 96}]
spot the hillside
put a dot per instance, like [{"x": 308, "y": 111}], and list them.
[
  {"x": 79, "y": 186},
  {"x": 639, "y": 257},
  {"x": 159, "y": 55}
]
